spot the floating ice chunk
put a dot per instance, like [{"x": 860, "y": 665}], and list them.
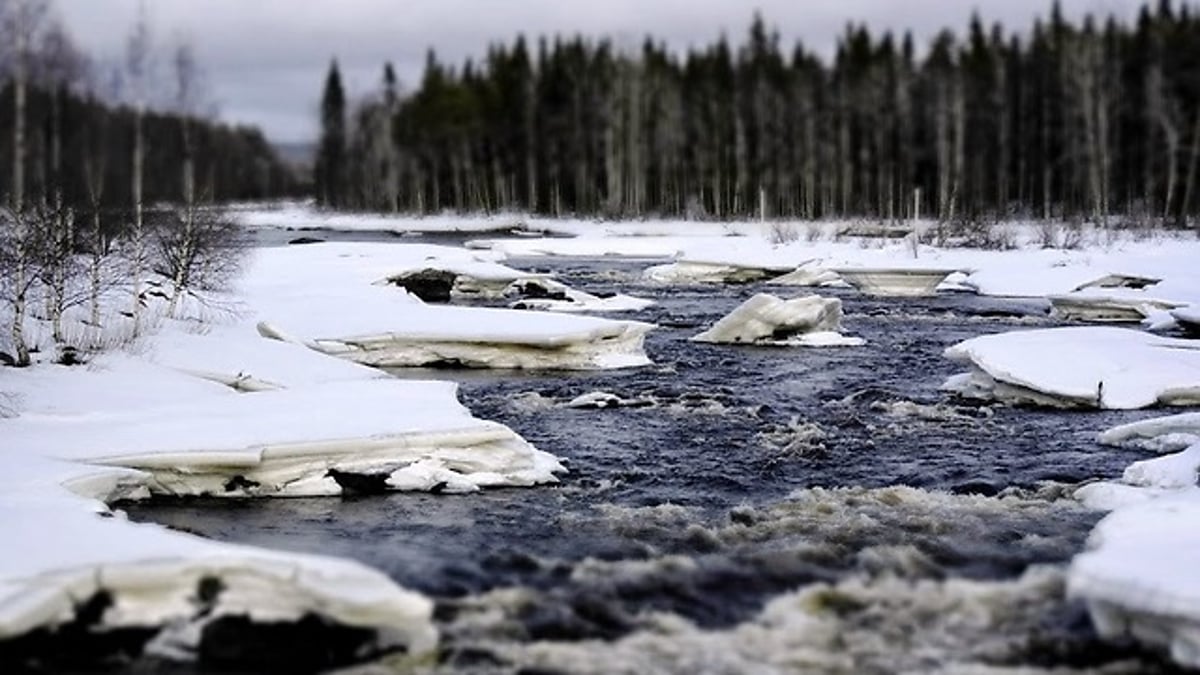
[
  {"x": 695, "y": 272},
  {"x": 604, "y": 399},
  {"x": 808, "y": 274},
  {"x": 1091, "y": 367},
  {"x": 1104, "y": 306},
  {"x": 766, "y": 319},
  {"x": 1139, "y": 575},
  {"x": 1120, "y": 281},
  {"x": 1110, "y": 495},
  {"x": 1160, "y": 434},
  {"x": 1170, "y": 471},
  {"x": 899, "y": 281}
]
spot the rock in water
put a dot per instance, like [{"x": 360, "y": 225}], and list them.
[{"x": 429, "y": 285}]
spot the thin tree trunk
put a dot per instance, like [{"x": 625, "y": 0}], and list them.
[{"x": 1189, "y": 185}]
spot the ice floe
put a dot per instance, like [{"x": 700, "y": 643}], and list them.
[
  {"x": 1092, "y": 367},
  {"x": 811, "y": 321},
  {"x": 895, "y": 281},
  {"x": 1159, "y": 434}
]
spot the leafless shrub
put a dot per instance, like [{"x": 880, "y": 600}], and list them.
[
  {"x": 196, "y": 250},
  {"x": 1049, "y": 232},
  {"x": 1071, "y": 237},
  {"x": 975, "y": 232},
  {"x": 782, "y": 233}
]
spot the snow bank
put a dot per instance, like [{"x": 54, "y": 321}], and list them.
[
  {"x": 1110, "y": 368},
  {"x": 766, "y": 319}
]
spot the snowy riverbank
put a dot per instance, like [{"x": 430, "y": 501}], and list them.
[{"x": 213, "y": 408}]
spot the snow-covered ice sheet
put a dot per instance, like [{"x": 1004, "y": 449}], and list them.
[
  {"x": 1098, "y": 367},
  {"x": 300, "y": 294}
]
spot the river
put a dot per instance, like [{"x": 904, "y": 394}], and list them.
[{"x": 754, "y": 510}]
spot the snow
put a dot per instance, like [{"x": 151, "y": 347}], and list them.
[
  {"x": 1097, "y": 367},
  {"x": 766, "y": 319}
]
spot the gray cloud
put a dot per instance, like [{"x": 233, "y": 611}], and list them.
[{"x": 266, "y": 59}]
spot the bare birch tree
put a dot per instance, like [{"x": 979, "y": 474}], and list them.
[{"x": 138, "y": 63}]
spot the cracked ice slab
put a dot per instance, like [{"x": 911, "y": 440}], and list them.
[{"x": 1093, "y": 367}]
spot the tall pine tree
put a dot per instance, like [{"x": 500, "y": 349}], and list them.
[{"x": 330, "y": 171}]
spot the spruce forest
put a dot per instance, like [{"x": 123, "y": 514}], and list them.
[{"x": 1061, "y": 119}]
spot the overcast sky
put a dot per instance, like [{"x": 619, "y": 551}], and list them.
[{"x": 266, "y": 60}]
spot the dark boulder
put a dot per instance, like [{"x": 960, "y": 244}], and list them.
[{"x": 429, "y": 285}]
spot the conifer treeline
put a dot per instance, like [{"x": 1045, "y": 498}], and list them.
[
  {"x": 1064, "y": 120},
  {"x": 232, "y": 162}
]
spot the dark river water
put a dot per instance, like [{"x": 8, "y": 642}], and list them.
[{"x": 761, "y": 510}]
